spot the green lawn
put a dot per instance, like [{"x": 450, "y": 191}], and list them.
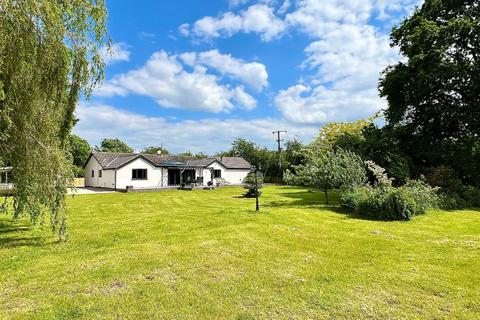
[{"x": 207, "y": 254}]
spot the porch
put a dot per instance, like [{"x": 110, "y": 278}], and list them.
[{"x": 191, "y": 177}]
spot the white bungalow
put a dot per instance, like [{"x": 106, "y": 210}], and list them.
[{"x": 147, "y": 171}]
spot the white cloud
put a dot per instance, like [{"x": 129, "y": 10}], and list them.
[
  {"x": 189, "y": 58},
  {"x": 258, "y": 18},
  {"x": 317, "y": 17},
  {"x": 184, "y": 29},
  {"x": 351, "y": 57},
  {"x": 346, "y": 58},
  {"x": 246, "y": 100},
  {"x": 302, "y": 104},
  {"x": 252, "y": 73},
  {"x": 285, "y": 6},
  {"x": 343, "y": 61},
  {"x": 164, "y": 79},
  {"x": 206, "y": 135},
  {"x": 118, "y": 52}
]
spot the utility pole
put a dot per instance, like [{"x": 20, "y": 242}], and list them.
[
  {"x": 257, "y": 206},
  {"x": 279, "y": 132}
]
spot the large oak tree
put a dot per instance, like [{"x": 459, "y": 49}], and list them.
[{"x": 434, "y": 95}]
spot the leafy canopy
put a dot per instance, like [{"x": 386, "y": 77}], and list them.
[
  {"x": 434, "y": 95},
  {"x": 155, "y": 150},
  {"x": 329, "y": 169},
  {"x": 114, "y": 145},
  {"x": 79, "y": 149},
  {"x": 49, "y": 55},
  {"x": 345, "y": 135}
]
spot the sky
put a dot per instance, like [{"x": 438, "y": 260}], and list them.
[{"x": 194, "y": 75}]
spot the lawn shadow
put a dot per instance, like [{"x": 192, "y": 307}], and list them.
[
  {"x": 15, "y": 242},
  {"x": 13, "y": 235},
  {"x": 306, "y": 199},
  {"x": 6, "y": 228},
  {"x": 315, "y": 199}
]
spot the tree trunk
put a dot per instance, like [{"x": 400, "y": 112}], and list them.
[{"x": 326, "y": 196}]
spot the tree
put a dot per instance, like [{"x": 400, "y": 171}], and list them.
[
  {"x": 434, "y": 95},
  {"x": 199, "y": 155},
  {"x": 114, "y": 145},
  {"x": 252, "y": 185},
  {"x": 155, "y": 150},
  {"x": 245, "y": 149},
  {"x": 345, "y": 135},
  {"x": 185, "y": 154},
  {"x": 49, "y": 55},
  {"x": 258, "y": 156},
  {"x": 294, "y": 154},
  {"x": 385, "y": 147},
  {"x": 330, "y": 170},
  {"x": 79, "y": 149}
]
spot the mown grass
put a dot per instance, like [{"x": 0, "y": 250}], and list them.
[{"x": 207, "y": 254}]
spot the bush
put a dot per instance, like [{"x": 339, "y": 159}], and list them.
[
  {"x": 471, "y": 195},
  {"x": 451, "y": 201},
  {"x": 424, "y": 195},
  {"x": 467, "y": 196},
  {"x": 445, "y": 178},
  {"x": 251, "y": 188},
  {"x": 350, "y": 199},
  {"x": 390, "y": 203}
]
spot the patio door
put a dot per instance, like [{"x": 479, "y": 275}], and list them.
[{"x": 173, "y": 177}]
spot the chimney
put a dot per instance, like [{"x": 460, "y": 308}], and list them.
[{"x": 221, "y": 158}]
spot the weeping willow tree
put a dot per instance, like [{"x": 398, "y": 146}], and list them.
[{"x": 49, "y": 56}]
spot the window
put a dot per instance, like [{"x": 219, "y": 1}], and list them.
[
  {"x": 93, "y": 173},
  {"x": 139, "y": 174},
  {"x": 99, "y": 173},
  {"x": 217, "y": 173}
]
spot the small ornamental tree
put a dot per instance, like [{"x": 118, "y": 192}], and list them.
[
  {"x": 331, "y": 169},
  {"x": 251, "y": 186}
]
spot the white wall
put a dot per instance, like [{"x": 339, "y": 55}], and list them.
[
  {"x": 232, "y": 176},
  {"x": 106, "y": 181},
  {"x": 235, "y": 176},
  {"x": 154, "y": 175}
]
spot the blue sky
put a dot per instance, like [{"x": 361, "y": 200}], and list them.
[{"x": 194, "y": 75}]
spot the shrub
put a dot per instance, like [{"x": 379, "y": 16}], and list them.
[
  {"x": 424, "y": 195},
  {"x": 445, "y": 178},
  {"x": 451, "y": 201},
  {"x": 390, "y": 203},
  {"x": 466, "y": 196},
  {"x": 471, "y": 195},
  {"x": 250, "y": 186},
  {"x": 351, "y": 198}
]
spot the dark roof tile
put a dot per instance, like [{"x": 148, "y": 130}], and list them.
[{"x": 111, "y": 160}]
